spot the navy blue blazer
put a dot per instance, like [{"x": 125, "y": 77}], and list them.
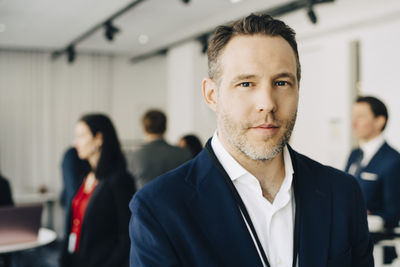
[
  {"x": 380, "y": 183},
  {"x": 188, "y": 217}
]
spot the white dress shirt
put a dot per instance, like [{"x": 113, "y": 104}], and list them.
[
  {"x": 273, "y": 222},
  {"x": 370, "y": 148}
]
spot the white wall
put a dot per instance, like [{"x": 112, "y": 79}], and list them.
[
  {"x": 187, "y": 111},
  {"x": 135, "y": 89},
  {"x": 24, "y": 118},
  {"x": 321, "y": 131},
  {"x": 380, "y": 72}
]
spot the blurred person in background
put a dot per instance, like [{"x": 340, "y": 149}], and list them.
[
  {"x": 5, "y": 200},
  {"x": 375, "y": 164},
  {"x": 192, "y": 143},
  {"x": 97, "y": 229},
  {"x": 73, "y": 171},
  {"x": 156, "y": 156},
  {"x": 376, "y": 167},
  {"x": 5, "y": 192}
]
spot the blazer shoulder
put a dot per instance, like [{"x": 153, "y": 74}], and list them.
[
  {"x": 324, "y": 174},
  {"x": 179, "y": 183},
  {"x": 390, "y": 152}
]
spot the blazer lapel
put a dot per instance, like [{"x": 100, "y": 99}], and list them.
[
  {"x": 315, "y": 215},
  {"x": 91, "y": 204},
  {"x": 217, "y": 214},
  {"x": 377, "y": 157}
]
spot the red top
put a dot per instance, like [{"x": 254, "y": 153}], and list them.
[{"x": 79, "y": 204}]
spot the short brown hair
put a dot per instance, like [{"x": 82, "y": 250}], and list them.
[
  {"x": 154, "y": 121},
  {"x": 250, "y": 25}
]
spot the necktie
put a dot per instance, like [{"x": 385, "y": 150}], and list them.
[{"x": 357, "y": 163}]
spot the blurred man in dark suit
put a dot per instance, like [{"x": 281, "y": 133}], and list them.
[
  {"x": 375, "y": 164},
  {"x": 156, "y": 156}
]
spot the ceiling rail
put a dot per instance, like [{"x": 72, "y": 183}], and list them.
[
  {"x": 70, "y": 48},
  {"x": 203, "y": 37}
]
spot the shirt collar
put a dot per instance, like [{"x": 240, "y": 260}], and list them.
[
  {"x": 235, "y": 170},
  {"x": 372, "y": 146},
  {"x": 231, "y": 166}
]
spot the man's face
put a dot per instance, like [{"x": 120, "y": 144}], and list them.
[
  {"x": 256, "y": 97},
  {"x": 365, "y": 125}
]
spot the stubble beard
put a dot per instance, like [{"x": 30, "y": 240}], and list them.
[{"x": 235, "y": 133}]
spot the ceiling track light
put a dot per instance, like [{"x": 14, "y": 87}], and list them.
[
  {"x": 203, "y": 39},
  {"x": 310, "y": 11},
  {"x": 186, "y": 1},
  {"x": 71, "y": 54},
  {"x": 311, "y": 15},
  {"x": 109, "y": 33},
  {"x": 110, "y": 30}
]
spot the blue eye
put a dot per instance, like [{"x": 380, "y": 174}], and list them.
[
  {"x": 281, "y": 83},
  {"x": 245, "y": 84}
]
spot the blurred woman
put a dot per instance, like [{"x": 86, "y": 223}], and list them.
[
  {"x": 192, "y": 143},
  {"x": 97, "y": 228}
]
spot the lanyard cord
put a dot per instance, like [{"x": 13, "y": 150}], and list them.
[{"x": 246, "y": 215}]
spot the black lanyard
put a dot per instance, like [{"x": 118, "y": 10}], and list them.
[{"x": 246, "y": 215}]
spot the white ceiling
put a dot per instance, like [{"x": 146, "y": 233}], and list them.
[{"x": 53, "y": 24}]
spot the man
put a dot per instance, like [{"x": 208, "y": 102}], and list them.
[
  {"x": 248, "y": 199},
  {"x": 375, "y": 164},
  {"x": 156, "y": 156}
]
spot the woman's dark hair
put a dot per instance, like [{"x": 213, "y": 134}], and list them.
[
  {"x": 193, "y": 144},
  {"x": 111, "y": 156}
]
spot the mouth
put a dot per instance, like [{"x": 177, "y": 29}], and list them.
[{"x": 266, "y": 128}]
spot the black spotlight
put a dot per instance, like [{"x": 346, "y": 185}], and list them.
[
  {"x": 71, "y": 54},
  {"x": 110, "y": 30},
  {"x": 186, "y": 1},
  {"x": 311, "y": 15},
  {"x": 203, "y": 39}
]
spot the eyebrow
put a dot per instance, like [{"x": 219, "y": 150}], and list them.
[
  {"x": 284, "y": 75},
  {"x": 242, "y": 77}
]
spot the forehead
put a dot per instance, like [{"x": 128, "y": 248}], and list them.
[
  {"x": 362, "y": 108},
  {"x": 258, "y": 53},
  {"x": 82, "y": 127}
]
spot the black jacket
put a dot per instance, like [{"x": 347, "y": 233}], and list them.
[{"x": 104, "y": 239}]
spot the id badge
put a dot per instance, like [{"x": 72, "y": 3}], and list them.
[{"x": 71, "y": 242}]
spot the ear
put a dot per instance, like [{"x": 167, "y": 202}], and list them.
[
  {"x": 210, "y": 93},
  {"x": 99, "y": 139},
  {"x": 380, "y": 121}
]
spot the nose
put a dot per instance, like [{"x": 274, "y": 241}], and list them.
[{"x": 265, "y": 100}]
